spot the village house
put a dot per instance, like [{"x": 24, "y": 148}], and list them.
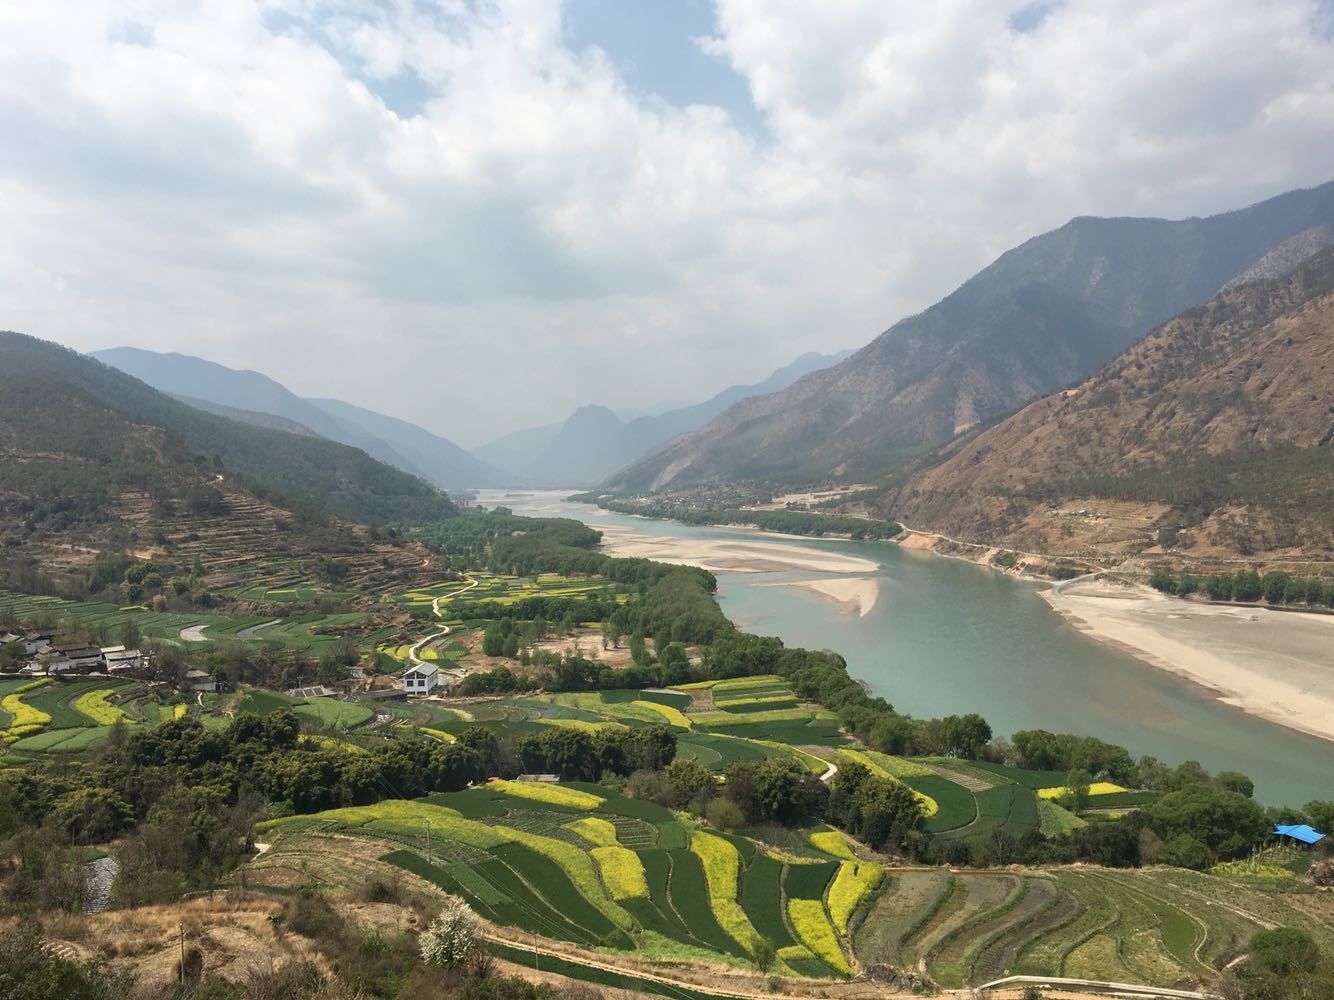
[
  {"x": 76, "y": 657},
  {"x": 421, "y": 679},
  {"x": 35, "y": 641},
  {"x": 119, "y": 660},
  {"x": 199, "y": 680}
]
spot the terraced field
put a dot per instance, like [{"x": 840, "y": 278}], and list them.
[
  {"x": 106, "y": 620},
  {"x": 579, "y": 863},
  {"x": 503, "y": 590},
  {"x": 1161, "y": 927}
]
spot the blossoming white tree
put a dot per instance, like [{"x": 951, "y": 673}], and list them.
[{"x": 451, "y": 937}]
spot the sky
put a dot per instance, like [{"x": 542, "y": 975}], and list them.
[{"x": 480, "y": 214}]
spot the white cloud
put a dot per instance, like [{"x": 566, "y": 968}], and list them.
[{"x": 224, "y": 179}]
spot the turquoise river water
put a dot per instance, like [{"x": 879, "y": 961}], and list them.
[{"x": 947, "y": 636}]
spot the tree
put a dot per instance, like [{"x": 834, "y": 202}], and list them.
[
  {"x": 764, "y": 954},
  {"x": 1226, "y": 823},
  {"x": 1235, "y": 781},
  {"x": 1184, "y": 851},
  {"x": 686, "y": 778},
  {"x": 1076, "y": 797},
  {"x": 965, "y": 735},
  {"x": 450, "y": 939},
  {"x": 1247, "y": 585}
]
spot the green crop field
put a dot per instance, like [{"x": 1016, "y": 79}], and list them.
[{"x": 523, "y": 856}]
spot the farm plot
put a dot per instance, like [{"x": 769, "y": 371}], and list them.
[
  {"x": 900, "y": 916},
  {"x": 102, "y": 618},
  {"x": 804, "y": 886},
  {"x": 721, "y": 862},
  {"x": 795, "y": 726},
  {"x": 316, "y": 713},
  {"x": 61, "y": 701},
  {"x": 952, "y": 959},
  {"x": 956, "y": 807}
]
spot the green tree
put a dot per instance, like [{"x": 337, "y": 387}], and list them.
[
  {"x": 1247, "y": 586},
  {"x": 686, "y": 778}
]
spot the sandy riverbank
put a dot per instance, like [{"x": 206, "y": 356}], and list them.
[
  {"x": 730, "y": 555},
  {"x": 1274, "y": 664},
  {"x": 853, "y": 594}
]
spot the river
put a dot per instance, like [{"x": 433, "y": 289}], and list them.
[{"x": 947, "y": 636}]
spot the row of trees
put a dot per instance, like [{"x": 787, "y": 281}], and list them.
[
  {"x": 1247, "y": 586},
  {"x": 791, "y": 522}
]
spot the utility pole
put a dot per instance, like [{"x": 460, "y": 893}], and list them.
[
  {"x": 182, "y": 928},
  {"x": 428, "y": 842}
]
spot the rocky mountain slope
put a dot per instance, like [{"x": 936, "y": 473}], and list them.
[
  {"x": 1043, "y": 315},
  {"x": 1216, "y": 426},
  {"x": 593, "y": 442}
]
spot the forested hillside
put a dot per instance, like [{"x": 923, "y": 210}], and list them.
[
  {"x": 1043, "y": 315},
  {"x": 256, "y": 399},
  {"x": 78, "y": 425}
]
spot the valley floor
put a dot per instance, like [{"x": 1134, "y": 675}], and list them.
[{"x": 1277, "y": 665}]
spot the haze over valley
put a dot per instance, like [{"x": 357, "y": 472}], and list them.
[{"x": 563, "y": 499}]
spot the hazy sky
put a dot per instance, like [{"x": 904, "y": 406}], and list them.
[{"x": 478, "y": 215}]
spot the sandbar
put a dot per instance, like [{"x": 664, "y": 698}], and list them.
[
  {"x": 1277, "y": 665},
  {"x": 852, "y": 594},
  {"x": 730, "y": 555}
]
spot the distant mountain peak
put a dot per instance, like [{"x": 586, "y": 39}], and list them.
[{"x": 1041, "y": 316}]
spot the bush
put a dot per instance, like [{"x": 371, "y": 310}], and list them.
[
  {"x": 724, "y": 814},
  {"x": 451, "y": 938}
]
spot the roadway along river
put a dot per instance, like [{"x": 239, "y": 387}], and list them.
[{"x": 946, "y": 636}]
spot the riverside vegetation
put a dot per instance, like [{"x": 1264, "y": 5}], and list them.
[{"x": 690, "y": 822}]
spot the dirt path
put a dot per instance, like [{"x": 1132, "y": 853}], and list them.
[
  {"x": 413, "y": 659},
  {"x": 249, "y": 633},
  {"x": 193, "y": 633}
]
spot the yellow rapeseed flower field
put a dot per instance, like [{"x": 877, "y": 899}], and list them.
[
  {"x": 552, "y": 794},
  {"x": 852, "y": 883},
  {"x": 622, "y": 872},
  {"x": 722, "y": 870},
  {"x": 94, "y": 704},
  {"x": 595, "y": 830},
  {"x": 1096, "y": 788},
  {"x": 831, "y": 842},
  {"x": 816, "y": 933}
]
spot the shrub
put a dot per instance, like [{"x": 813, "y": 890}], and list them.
[
  {"x": 724, "y": 814},
  {"x": 450, "y": 939}
]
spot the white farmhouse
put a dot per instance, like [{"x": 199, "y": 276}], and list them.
[{"x": 421, "y": 679}]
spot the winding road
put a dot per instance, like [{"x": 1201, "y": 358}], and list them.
[{"x": 413, "y": 659}]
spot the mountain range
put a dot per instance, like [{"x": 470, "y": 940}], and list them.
[
  {"x": 256, "y": 399},
  {"x": 1217, "y": 425},
  {"x": 1042, "y": 316},
  {"x": 589, "y": 445},
  {"x": 593, "y": 442}
]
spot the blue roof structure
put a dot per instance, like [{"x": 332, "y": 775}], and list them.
[{"x": 1299, "y": 831}]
